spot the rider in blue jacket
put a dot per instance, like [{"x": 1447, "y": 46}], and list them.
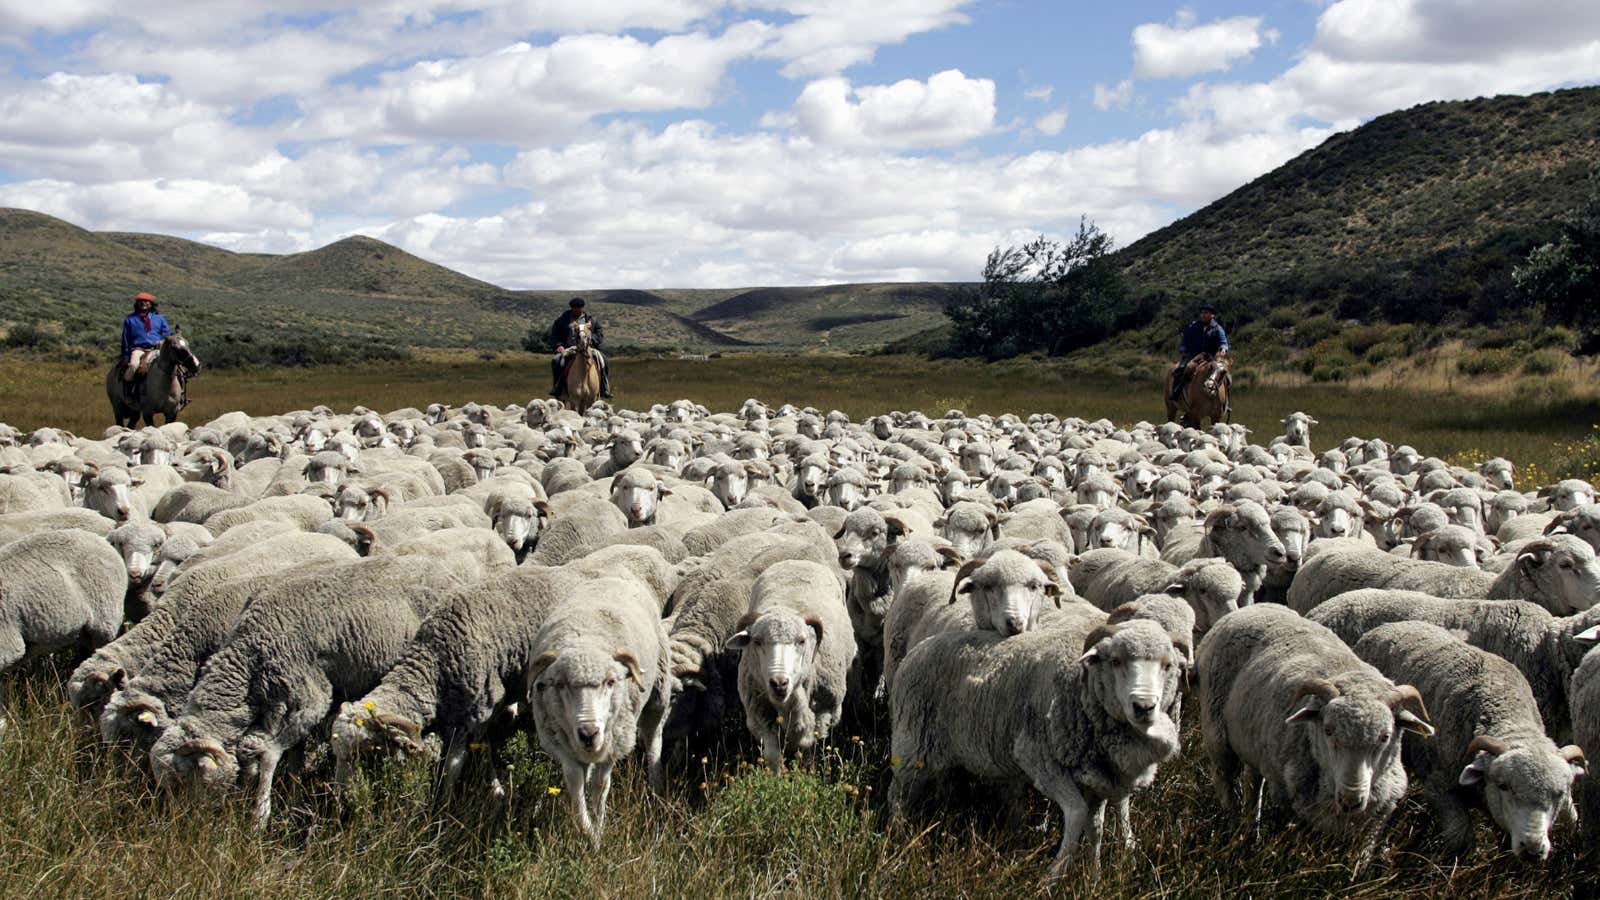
[
  {"x": 142, "y": 332},
  {"x": 1203, "y": 337}
]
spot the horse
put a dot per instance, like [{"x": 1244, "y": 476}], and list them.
[
  {"x": 582, "y": 373},
  {"x": 1206, "y": 396},
  {"x": 160, "y": 389}
]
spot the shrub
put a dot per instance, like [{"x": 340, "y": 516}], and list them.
[
  {"x": 1378, "y": 354},
  {"x": 1486, "y": 362},
  {"x": 1363, "y": 337},
  {"x": 1544, "y": 362},
  {"x": 1314, "y": 331},
  {"x": 1283, "y": 317},
  {"x": 1324, "y": 371},
  {"x": 1556, "y": 337},
  {"x": 29, "y": 336}
]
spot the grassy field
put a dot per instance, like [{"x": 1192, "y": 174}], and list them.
[
  {"x": 79, "y": 820},
  {"x": 1522, "y": 421}
]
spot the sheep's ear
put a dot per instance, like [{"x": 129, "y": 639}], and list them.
[
  {"x": 1588, "y": 636},
  {"x": 1174, "y": 589},
  {"x": 897, "y": 529},
  {"x": 662, "y": 490},
  {"x": 1310, "y": 708},
  {"x": 948, "y": 556},
  {"x": 1476, "y": 770},
  {"x": 840, "y": 533},
  {"x": 739, "y": 641},
  {"x": 1530, "y": 559},
  {"x": 1091, "y": 654},
  {"x": 965, "y": 587},
  {"x": 631, "y": 662},
  {"x": 542, "y": 508},
  {"x": 136, "y": 481},
  {"x": 119, "y": 677}
]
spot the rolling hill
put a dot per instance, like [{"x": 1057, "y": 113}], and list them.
[{"x": 1417, "y": 216}]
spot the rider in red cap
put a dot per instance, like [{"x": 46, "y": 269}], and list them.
[{"x": 142, "y": 332}]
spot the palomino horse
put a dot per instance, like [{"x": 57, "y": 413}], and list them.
[
  {"x": 582, "y": 374},
  {"x": 160, "y": 389},
  {"x": 1205, "y": 396}
]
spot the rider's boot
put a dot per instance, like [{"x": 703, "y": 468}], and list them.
[
  {"x": 555, "y": 379},
  {"x": 605, "y": 383}
]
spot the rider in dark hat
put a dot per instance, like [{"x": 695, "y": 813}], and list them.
[
  {"x": 1203, "y": 337},
  {"x": 563, "y": 335}
]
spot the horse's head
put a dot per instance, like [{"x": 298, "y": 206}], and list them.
[
  {"x": 1216, "y": 373},
  {"x": 175, "y": 347},
  {"x": 584, "y": 339}
]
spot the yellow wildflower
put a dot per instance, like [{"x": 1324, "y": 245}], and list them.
[{"x": 553, "y": 791}]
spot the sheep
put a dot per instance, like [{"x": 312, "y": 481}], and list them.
[
  {"x": 1115, "y": 528},
  {"x": 1239, "y": 533},
  {"x": 293, "y": 654},
  {"x": 864, "y": 542},
  {"x": 1584, "y": 690},
  {"x": 519, "y": 521},
  {"x": 1559, "y": 572},
  {"x": 1455, "y": 545},
  {"x": 1490, "y": 749},
  {"x": 1570, "y": 493},
  {"x": 1085, "y": 726},
  {"x": 704, "y": 539},
  {"x": 17, "y": 525},
  {"x": 583, "y": 526},
  {"x": 175, "y": 551},
  {"x": 708, "y": 602},
  {"x": 968, "y": 526},
  {"x": 1008, "y": 591},
  {"x": 796, "y": 650},
  {"x": 1297, "y": 429},
  {"x": 109, "y": 492},
  {"x": 58, "y": 589},
  {"x": 139, "y": 544},
  {"x": 1545, "y": 648},
  {"x": 1583, "y": 521},
  {"x": 1209, "y": 585},
  {"x": 1285, "y": 699},
  {"x": 469, "y": 663},
  {"x": 638, "y": 494},
  {"x": 923, "y": 580},
  {"x": 600, "y": 684},
  {"x": 303, "y": 511},
  {"x": 846, "y": 488}
]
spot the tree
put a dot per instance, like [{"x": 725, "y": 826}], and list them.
[
  {"x": 1563, "y": 276},
  {"x": 1045, "y": 295}
]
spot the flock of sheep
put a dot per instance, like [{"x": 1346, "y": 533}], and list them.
[{"x": 1025, "y": 601}]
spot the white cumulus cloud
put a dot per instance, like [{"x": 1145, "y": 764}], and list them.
[
  {"x": 1184, "y": 48},
  {"x": 949, "y": 108}
]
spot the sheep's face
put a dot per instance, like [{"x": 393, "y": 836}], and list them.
[
  {"x": 844, "y": 493},
  {"x": 1297, "y": 430},
  {"x": 1294, "y": 532},
  {"x": 518, "y": 525},
  {"x": 153, "y": 455},
  {"x": 863, "y": 540},
  {"x": 1051, "y": 474},
  {"x": 781, "y": 649},
  {"x": 1337, "y": 517},
  {"x": 111, "y": 494},
  {"x": 638, "y": 500},
  {"x": 626, "y": 448},
  {"x": 1121, "y": 532},
  {"x": 1565, "y": 572},
  {"x": 951, "y": 487},
  {"x": 1008, "y": 593},
  {"x": 977, "y": 460},
  {"x": 1355, "y": 741},
  {"x": 89, "y": 693},
  {"x": 903, "y": 480},
  {"x": 668, "y": 456},
  {"x": 581, "y": 693},
  {"x": 1135, "y": 669},
  {"x": 404, "y": 433},
  {"x": 1165, "y": 518},
  {"x": 812, "y": 477},
  {"x": 1501, "y": 474},
  {"x": 730, "y": 484},
  {"x": 327, "y": 467},
  {"x": 361, "y": 730},
  {"x": 1571, "y": 494},
  {"x": 355, "y": 505},
  {"x": 1453, "y": 546},
  {"x": 967, "y": 527},
  {"x": 1246, "y": 532},
  {"x": 139, "y": 547},
  {"x": 1100, "y": 492},
  {"x": 1141, "y": 480},
  {"x": 166, "y": 567},
  {"x": 911, "y": 560},
  {"x": 199, "y": 764},
  {"x": 1525, "y": 789}
]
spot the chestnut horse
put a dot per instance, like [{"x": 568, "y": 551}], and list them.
[
  {"x": 1206, "y": 396},
  {"x": 582, "y": 374}
]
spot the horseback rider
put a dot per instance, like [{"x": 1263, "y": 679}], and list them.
[
  {"x": 563, "y": 335},
  {"x": 1202, "y": 339},
  {"x": 142, "y": 332}
]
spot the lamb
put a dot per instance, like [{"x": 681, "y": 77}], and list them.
[
  {"x": 58, "y": 589},
  {"x": 1545, "y": 648},
  {"x": 796, "y": 650},
  {"x": 1285, "y": 699},
  {"x": 291, "y": 656},
  {"x": 1490, "y": 749},
  {"x": 600, "y": 684},
  {"x": 1086, "y": 727},
  {"x": 1559, "y": 572}
]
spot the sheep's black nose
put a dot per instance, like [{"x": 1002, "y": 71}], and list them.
[
  {"x": 589, "y": 734},
  {"x": 1144, "y": 709}
]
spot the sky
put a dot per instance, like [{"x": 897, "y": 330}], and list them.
[{"x": 714, "y": 143}]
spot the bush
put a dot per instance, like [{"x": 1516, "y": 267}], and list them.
[
  {"x": 1556, "y": 338},
  {"x": 28, "y": 336},
  {"x": 1544, "y": 362},
  {"x": 1283, "y": 317},
  {"x": 1363, "y": 337},
  {"x": 1486, "y": 362},
  {"x": 1324, "y": 371},
  {"x": 1378, "y": 354},
  {"x": 1314, "y": 330}
]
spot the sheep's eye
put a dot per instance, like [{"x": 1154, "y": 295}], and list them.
[
  {"x": 540, "y": 687},
  {"x": 1116, "y": 663},
  {"x": 1328, "y": 731},
  {"x": 1384, "y": 740},
  {"x": 611, "y": 681},
  {"x": 1565, "y": 565}
]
